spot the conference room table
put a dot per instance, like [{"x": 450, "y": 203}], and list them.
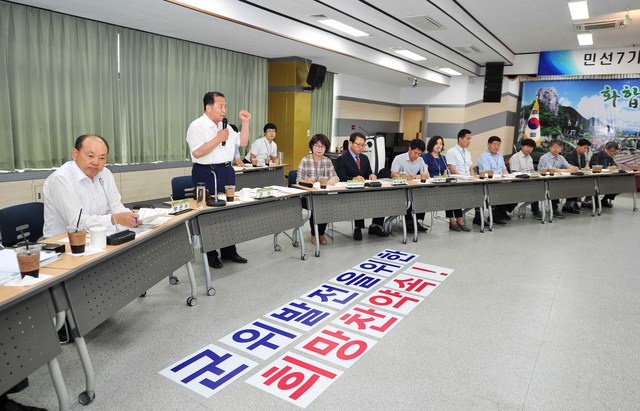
[
  {"x": 238, "y": 221},
  {"x": 263, "y": 176},
  {"x": 339, "y": 203},
  {"x": 28, "y": 335}
]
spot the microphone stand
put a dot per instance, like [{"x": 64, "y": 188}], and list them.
[{"x": 214, "y": 201}]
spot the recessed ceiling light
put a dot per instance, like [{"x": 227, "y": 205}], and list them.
[
  {"x": 410, "y": 54},
  {"x": 343, "y": 28},
  {"x": 585, "y": 39},
  {"x": 578, "y": 10},
  {"x": 450, "y": 71}
]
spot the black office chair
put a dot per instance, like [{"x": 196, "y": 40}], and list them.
[
  {"x": 178, "y": 185},
  {"x": 292, "y": 177},
  {"x": 21, "y": 214}
]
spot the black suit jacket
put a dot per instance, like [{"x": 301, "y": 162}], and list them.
[
  {"x": 572, "y": 158},
  {"x": 347, "y": 169},
  {"x": 603, "y": 159}
]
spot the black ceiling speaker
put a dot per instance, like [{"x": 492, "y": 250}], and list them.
[
  {"x": 493, "y": 82},
  {"x": 316, "y": 75}
]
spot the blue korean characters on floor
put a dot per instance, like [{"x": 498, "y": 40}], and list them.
[{"x": 333, "y": 326}]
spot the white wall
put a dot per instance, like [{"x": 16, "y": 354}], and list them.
[{"x": 356, "y": 87}]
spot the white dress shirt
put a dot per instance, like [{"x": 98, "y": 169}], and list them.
[
  {"x": 68, "y": 190},
  {"x": 202, "y": 130},
  {"x": 521, "y": 162},
  {"x": 461, "y": 158},
  {"x": 263, "y": 148}
]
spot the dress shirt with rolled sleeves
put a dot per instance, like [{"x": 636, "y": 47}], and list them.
[
  {"x": 490, "y": 161},
  {"x": 202, "y": 130},
  {"x": 521, "y": 162},
  {"x": 402, "y": 165},
  {"x": 68, "y": 190},
  {"x": 550, "y": 161},
  {"x": 263, "y": 148},
  {"x": 461, "y": 158}
]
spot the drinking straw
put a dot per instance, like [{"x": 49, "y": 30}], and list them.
[{"x": 78, "y": 225}]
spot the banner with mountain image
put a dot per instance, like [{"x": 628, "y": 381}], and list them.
[{"x": 597, "y": 110}]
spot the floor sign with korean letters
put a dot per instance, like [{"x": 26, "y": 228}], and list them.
[{"x": 333, "y": 325}]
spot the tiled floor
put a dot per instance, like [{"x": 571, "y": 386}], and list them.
[{"x": 535, "y": 316}]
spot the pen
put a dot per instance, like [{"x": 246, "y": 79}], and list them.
[{"x": 136, "y": 221}]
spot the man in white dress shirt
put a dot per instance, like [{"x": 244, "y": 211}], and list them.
[
  {"x": 213, "y": 146},
  {"x": 459, "y": 157},
  {"x": 265, "y": 146},
  {"x": 84, "y": 184}
]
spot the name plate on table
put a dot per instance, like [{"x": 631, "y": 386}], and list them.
[
  {"x": 266, "y": 192},
  {"x": 355, "y": 183},
  {"x": 180, "y": 206},
  {"x": 399, "y": 181}
]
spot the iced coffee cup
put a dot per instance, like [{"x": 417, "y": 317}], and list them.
[
  {"x": 267, "y": 161},
  {"x": 29, "y": 260},
  {"x": 323, "y": 182},
  {"x": 481, "y": 174},
  {"x": 254, "y": 162},
  {"x": 423, "y": 177},
  {"x": 489, "y": 173},
  {"x": 230, "y": 192},
  {"x": 552, "y": 171},
  {"x": 596, "y": 169},
  {"x": 77, "y": 239}
]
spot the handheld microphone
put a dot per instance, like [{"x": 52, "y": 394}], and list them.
[{"x": 224, "y": 125}]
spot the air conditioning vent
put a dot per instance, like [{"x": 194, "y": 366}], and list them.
[
  {"x": 424, "y": 23},
  {"x": 319, "y": 16},
  {"x": 600, "y": 25}
]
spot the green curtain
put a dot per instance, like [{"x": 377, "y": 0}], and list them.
[
  {"x": 60, "y": 79},
  {"x": 322, "y": 107}
]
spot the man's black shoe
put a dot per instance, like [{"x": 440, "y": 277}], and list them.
[
  {"x": 576, "y": 207},
  {"x": 357, "y": 234},
  {"x": 377, "y": 230},
  {"x": 476, "y": 221},
  {"x": 500, "y": 221},
  {"x": 236, "y": 259},
  {"x": 570, "y": 210},
  {"x": 214, "y": 262},
  {"x": 587, "y": 204},
  {"x": 607, "y": 203}
]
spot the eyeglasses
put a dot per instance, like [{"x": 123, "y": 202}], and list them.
[
  {"x": 359, "y": 144},
  {"x": 319, "y": 147}
]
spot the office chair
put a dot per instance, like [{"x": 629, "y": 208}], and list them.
[
  {"x": 17, "y": 215},
  {"x": 178, "y": 185}
]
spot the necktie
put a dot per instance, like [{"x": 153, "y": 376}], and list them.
[{"x": 358, "y": 162}]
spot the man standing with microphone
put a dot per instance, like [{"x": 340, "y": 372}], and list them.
[{"x": 212, "y": 146}]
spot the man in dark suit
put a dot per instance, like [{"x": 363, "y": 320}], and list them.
[
  {"x": 353, "y": 165},
  {"x": 605, "y": 159},
  {"x": 576, "y": 157}
]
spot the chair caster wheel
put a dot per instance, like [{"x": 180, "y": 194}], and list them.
[
  {"x": 304, "y": 257},
  {"x": 173, "y": 280},
  {"x": 295, "y": 243},
  {"x": 317, "y": 253},
  {"x": 277, "y": 248},
  {"x": 211, "y": 291},
  {"x": 144, "y": 294},
  {"x": 84, "y": 398},
  {"x": 404, "y": 241},
  {"x": 191, "y": 301}
]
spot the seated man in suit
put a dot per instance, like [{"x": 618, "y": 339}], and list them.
[
  {"x": 353, "y": 165},
  {"x": 576, "y": 157},
  {"x": 553, "y": 159},
  {"x": 605, "y": 159},
  {"x": 84, "y": 184}
]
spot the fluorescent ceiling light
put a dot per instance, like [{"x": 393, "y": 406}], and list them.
[
  {"x": 585, "y": 39},
  {"x": 410, "y": 54},
  {"x": 578, "y": 10},
  {"x": 450, "y": 71},
  {"x": 343, "y": 28}
]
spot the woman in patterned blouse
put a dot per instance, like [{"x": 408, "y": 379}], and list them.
[{"x": 312, "y": 168}]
